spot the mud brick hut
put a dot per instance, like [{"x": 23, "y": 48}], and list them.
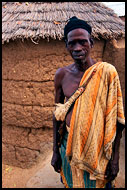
[{"x": 32, "y": 50}]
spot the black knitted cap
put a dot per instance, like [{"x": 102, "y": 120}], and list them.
[{"x": 75, "y": 23}]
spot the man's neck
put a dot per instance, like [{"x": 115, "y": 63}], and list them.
[{"x": 84, "y": 65}]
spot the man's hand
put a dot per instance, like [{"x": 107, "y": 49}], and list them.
[
  {"x": 112, "y": 170},
  {"x": 56, "y": 162},
  {"x": 113, "y": 165}
]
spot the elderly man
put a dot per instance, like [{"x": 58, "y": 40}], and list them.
[{"x": 89, "y": 112}]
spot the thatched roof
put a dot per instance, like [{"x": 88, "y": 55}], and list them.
[{"x": 47, "y": 19}]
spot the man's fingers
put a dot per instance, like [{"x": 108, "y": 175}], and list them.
[
  {"x": 110, "y": 177},
  {"x": 57, "y": 170}
]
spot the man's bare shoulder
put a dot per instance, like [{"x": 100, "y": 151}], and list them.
[{"x": 60, "y": 73}]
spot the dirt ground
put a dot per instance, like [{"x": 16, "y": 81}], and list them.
[
  {"x": 40, "y": 174},
  {"x": 14, "y": 177}
]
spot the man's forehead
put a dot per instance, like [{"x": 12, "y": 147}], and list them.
[{"x": 79, "y": 32}]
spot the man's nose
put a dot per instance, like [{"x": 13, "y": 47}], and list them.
[{"x": 77, "y": 47}]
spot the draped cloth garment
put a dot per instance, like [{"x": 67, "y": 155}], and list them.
[{"x": 93, "y": 123}]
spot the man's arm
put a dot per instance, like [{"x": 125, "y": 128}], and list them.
[
  {"x": 113, "y": 165},
  {"x": 59, "y": 98}
]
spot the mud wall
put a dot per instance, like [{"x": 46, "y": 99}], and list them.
[
  {"x": 28, "y": 96},
  {"x": 115, "y": 54}
]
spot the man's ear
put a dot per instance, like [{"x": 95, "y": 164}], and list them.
[
  {"x": 66, "y": 43},
  {"x": 91, "y": 42},
  {"x": 65, "y": 40}
]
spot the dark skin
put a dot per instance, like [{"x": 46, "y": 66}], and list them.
[{"x": 67, "y": 79}]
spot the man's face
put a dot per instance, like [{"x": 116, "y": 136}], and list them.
[{"x": 78, "y": 44}]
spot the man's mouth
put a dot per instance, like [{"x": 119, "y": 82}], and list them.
[{"x": 78, "y": 56}]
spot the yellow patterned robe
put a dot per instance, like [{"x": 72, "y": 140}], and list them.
[{"x": 93, "y": 123}]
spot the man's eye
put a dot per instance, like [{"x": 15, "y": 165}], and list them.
[
  {"x": 71, "y": 43},
  {"x": 82, "y": 42}
]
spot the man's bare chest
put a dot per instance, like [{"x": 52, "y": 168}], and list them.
[{"x": 70, "y": 84}]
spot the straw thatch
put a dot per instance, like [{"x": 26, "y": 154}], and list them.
[{"x": 47, "y": 19}]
